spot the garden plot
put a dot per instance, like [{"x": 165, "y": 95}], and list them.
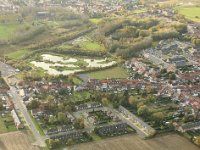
[{"x": 58, "y": 65}]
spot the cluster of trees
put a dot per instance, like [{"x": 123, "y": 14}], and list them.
[
  {"x": 76, "y": 51},
  {"x": 196, "y": 41},
  {"x": 144, "y": 111},
  {"x": 60, "y": 40},
  {"x": 29, "y": 34},
  {"x": 130, "y": 27},
  {"x": 79, "y": 123},
  {"x": 165, "y": 34},
  {"x": 135, "y": 48},
  {"x": 181, "y": 28},
  {"x": 54, "y": 143},
  {"x": 60, "y": 118},
  {"x": 168, "y": 75},
  {"x": 74, "y": 23},
  {"x": 197, "y": 140}
]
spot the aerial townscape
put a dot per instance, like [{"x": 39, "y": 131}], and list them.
[{"x": 99, "y": 74}]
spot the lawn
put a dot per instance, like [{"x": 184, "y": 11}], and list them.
[
  {"x": 115, "y": 72},
  {"x": 18, "y": 54},
  {"x": 192, "y": 13},
  {"x": 92, "y": 45},
  {"x": 6, "y": 30}
]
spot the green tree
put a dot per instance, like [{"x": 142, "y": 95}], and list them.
[
  {"x": 197, "y": 140},
  {"x": 1, "y": 106},
  {"x": 172, "y": 76},
  {"x": 33, "y": 104},
  {"x": 158, "y": 116},
  {"x": 143, "y": 111},
  {"x": 61, "y": 117}
]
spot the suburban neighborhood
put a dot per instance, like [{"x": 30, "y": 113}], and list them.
[{"x": 90, "y": 74}]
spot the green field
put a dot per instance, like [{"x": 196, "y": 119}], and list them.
[
  {"x": 191, "y": 13},
  {"x": 18, "y": 54},
  {"x": 115, "y": 72},
  {"x": 92, "y": 45},
  {"x": 7, "y": 30},
  {"x": 96, "y": 20}
]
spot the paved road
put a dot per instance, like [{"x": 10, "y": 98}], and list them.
[
  {"x": 6, "y": 71},
  {"x": 40, "y": 140}
]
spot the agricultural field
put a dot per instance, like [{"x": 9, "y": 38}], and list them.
[
  {"x": 115, "y": 72},
  {"x": 191, "y": 13},
  {"x": 16, "y": 140},
  {"x": 133, "y": 142}
]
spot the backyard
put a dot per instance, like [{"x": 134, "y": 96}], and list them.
[{"x": 7, "y": 124}]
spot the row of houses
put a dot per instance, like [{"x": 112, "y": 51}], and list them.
[
  {"x": 110, "y": 129},
  {"x": 54, "y": 131},
  {"x": 17, "y": 121},
  {"x": 190, "y": 126},
  {"x": 85, "y": 106},
  {"x": 114, "y": 84},
  {"x": 70, "y": 135}
]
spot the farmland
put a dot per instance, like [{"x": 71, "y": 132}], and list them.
[
  {"x": 16, "y": 140},
  {"x": 133, "y": 142},
  {"x": 191, "y": 13}
]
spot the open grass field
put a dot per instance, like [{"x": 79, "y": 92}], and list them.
[
  {"x": 191, "y": 13},
  {"x": 115, "y": 72},
  {"x": 18, "y": 54},
  {"x": 16, "y": 141},
  {"x": 92, "y": 45},
  {"x": 96, "y": 20},
  {"x": 6, "y": 30},
  {"x": 133, "y": 142}
]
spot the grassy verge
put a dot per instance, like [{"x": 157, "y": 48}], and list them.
[{"x": 37, "y": 125}]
